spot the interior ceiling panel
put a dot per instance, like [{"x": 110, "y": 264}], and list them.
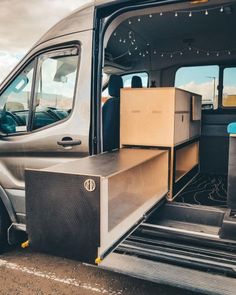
[{"x": 167, "y": 37}]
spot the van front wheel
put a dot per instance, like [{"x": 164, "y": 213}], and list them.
[{"x": 4, "y": 223}]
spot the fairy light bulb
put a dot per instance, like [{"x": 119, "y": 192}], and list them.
[
  {"x": 139, "y": 20},
  {"x": 197, "y": 51},
  {"x": 190, "y": 14},
  {"x": 206, "y": 12},
  {"x": 162, "y": 55},
  {"x": 150, "y": 15},
  {"x": 130, "y": 22},
  {"x": 154, "y": 52},
  {"x": 208, "y": 53},
  {"x": 229, "y": 52},
  {"x": 176, "y": 14},
  {"x": 129, "y": 53},
  {"x": 181, "y": 53},
  {"x": 161, "y": 13},
  {"x": 115, "y": 34},
  {"x": 222, "y": 9},
  {"x": 217, "y": 54}
]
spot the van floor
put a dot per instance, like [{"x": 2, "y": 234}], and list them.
[{"x": 207, "y": 190}]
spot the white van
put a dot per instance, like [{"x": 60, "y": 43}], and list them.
[{"x": 62, "y": 102}]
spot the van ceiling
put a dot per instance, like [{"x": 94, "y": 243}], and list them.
[{"x": 200, "y": 35}]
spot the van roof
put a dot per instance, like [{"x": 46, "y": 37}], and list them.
[{"x": 80, "y": 19}]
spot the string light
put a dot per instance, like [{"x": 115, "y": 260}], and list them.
[
  {"x": 132, "y": 48},
  {"x": 221, "y": 9},
  {"x": 205, "y": 11}
]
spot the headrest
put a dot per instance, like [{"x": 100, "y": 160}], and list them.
[
  {"x": 114, "y": 85},
  {"x": 136, "y": 82}
]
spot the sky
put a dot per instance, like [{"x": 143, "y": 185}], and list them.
[{"x": 23, "y": 22}]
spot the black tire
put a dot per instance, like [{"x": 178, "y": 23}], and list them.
[{"x": 4, "y": 224}]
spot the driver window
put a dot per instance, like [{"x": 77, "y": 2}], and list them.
[
  {"x": 55, "y": 88},
  {"x": 15, "y": 101}
]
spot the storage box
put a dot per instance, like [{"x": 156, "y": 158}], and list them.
[
  {"x": 81, "y": 209},
  {"x": 161, "y": 117}
]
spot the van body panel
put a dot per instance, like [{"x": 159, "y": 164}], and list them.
[{"x": 78, "y": 21}]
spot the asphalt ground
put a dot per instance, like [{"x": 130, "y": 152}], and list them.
[{"x": 26, "y": 272}]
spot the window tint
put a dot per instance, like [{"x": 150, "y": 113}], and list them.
[
  {"x": 229, "y": 90},
  {"x": 15, "y": 101},
  {"x": 201, "y": 80},
  {"x": 55, "y": 89},
  {"x": 128, "y": 78}
]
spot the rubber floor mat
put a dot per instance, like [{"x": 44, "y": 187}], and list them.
[{"x": 207, "y": 190}]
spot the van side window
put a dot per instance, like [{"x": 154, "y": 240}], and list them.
[
  {"x": 127, "y": 79},
  {"x": 229, "y": 90},
  {"x": 55, "y": 88},
  {"x": 15, "y": 101},
  {"x": 201, "y": 80}
]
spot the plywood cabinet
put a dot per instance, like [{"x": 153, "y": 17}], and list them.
[
  {"x": 165, "y": 117},
  {"x": 158, "y": 116}
]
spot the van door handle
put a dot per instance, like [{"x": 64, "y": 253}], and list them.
[{"x": 68, "y": 141}]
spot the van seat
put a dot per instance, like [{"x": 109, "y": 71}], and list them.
[{"x": 111, "y": 115}]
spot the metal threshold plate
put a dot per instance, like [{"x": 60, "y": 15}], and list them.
[{"x": 172, "y": 275}]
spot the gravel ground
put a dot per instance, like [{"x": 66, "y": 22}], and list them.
[{"x": 25, "y": 272}]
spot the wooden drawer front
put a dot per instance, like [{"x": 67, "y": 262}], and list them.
[{"x": 182, "y": 127}]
